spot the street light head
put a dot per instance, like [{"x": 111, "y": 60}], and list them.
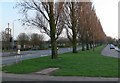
[{"x": 8, "y": 25}]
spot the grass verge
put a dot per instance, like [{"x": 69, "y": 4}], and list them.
[{"x": 84, "y": 63}]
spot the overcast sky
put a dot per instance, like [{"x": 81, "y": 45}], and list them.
[{"x": 107, "y": 12}]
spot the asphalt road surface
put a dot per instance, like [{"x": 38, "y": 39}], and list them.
[
  {"x": 110, "y": 52},
  {"x": 31, "y": 54}
]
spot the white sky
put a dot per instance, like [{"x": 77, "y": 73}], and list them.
[{"x": 107, "y": 12}]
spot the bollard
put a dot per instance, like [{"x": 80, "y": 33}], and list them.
[
  {"x": 18, "y": 52},
  {"x": 57, "y": 49}
]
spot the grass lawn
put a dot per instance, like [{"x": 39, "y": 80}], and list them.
[
  {"x": 84, "y": 63},
  {"x": 9, "y": 50}
]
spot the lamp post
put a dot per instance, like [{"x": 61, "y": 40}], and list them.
[{"x": 13, "y": 34}]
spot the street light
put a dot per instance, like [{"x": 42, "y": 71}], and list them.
[{"x": 13, "y": 34}]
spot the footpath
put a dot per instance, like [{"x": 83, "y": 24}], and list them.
[{"x": 36, "y": 77}]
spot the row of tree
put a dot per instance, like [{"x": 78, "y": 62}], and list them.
[
  {"x": 37, "y": 41},
  {"x": 33, "y": 40},
  {"x": 84, "y": 25},
  {"x": 79, "y": 19}
]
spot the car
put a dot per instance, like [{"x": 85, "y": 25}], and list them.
[{"x": 112, "y": 46}]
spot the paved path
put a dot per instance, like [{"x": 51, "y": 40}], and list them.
[
  {"x": 34, "y": 77},
  {"x": 110, "y": 52}
]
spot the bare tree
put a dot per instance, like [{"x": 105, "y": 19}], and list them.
[
  {"x": 82, "y": 24},
  {"x": 47, "y": 18},
  {"x": 90, "y": 30},
  {"x": 36, "y": 40},
  {"x": 63, "y": 42},
  {"x": 71, "y": 23},
  {"x": 23, "y": 39}
]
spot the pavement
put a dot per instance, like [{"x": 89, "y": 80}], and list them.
[
  {"x": 46, "y": 71},
  {"x": 36, "y": 77}
]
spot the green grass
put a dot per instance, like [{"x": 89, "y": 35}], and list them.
[
  {"x": 9, "y": 50},
  {"x": 84, "y": 63},
  {"x": 0, "y": 68}
]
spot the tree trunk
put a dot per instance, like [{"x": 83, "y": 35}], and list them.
[
  {"x": 87, "y": 46},
  {"x": 52, "y": 33},
  {"x": 74, "y": 41},
  {"x": 83, "y": 48},
  {"x": 74, "y": 45},
  {"x": 93, "y": 43},
  {"x": 93, "y": 46},
  {"x": 90, "y": 45},
  {"x": 54, "y": 48}
]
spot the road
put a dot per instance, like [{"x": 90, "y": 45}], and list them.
[
  {"x": 110, "y": 52},
  {"x": 31, "y": 54}
]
